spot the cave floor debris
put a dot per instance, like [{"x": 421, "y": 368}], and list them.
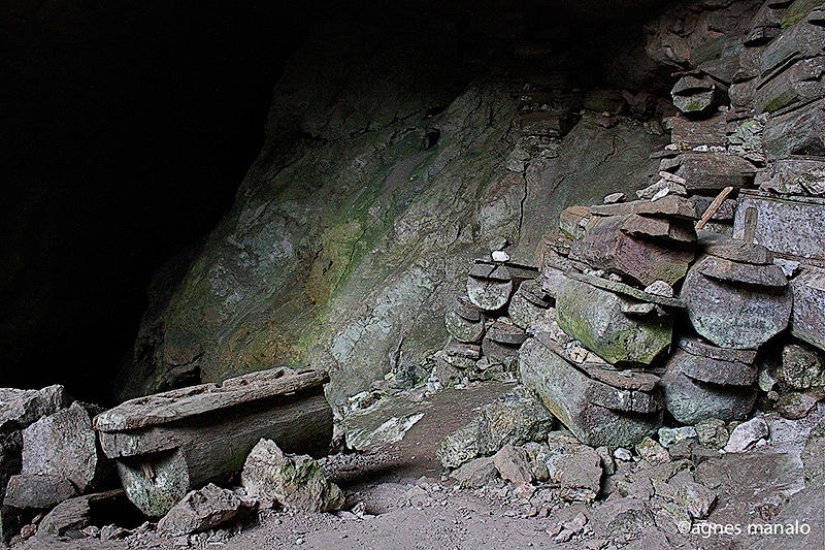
[{"x": 397, "y": 498}]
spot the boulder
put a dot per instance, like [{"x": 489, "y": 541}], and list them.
[
  {"x": 514, "y": 418},
  {"x": 595, "y": 317},
  {"x": 808, "y": 317},
  {"x": 712, "y": 433},
  {"x": 293, "y": 481},
  {"x": 571, "y": 395},
  {"x": 463, "y": 330},
  {"x": 38, "y": 491},
  {"x": 62, "y": 445},
  {"x": 20, "y": 408},
  {"x": 513, "y": 465},
  {"x": 694, "y": 95},
  {"x": 71, "y": 516},
  {"x": 801, "y": 81},
  {"x": 476, "y": 473},
  {"x": 200, "y": 510},
  {"x": 576, "y": 468}
]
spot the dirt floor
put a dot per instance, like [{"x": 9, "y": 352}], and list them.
[{"x": 398, "y": 498}]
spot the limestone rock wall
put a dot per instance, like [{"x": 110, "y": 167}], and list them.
[{"x": 391, "y": 160}]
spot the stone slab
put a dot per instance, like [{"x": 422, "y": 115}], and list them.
[
  {"x": 733, "y": 316},
  {"x": 808, "y": 318},
  {"x": 691, "y": 94},
  {"x": 175, "y": 405},
  {"x": 38, "y": 491},
  {"x": 625, "y": 379},
  {"x": 567, "y": 392},
  {"x": 672, "y": 206},
  {"x": 626, "y": 290},
  {"x": 799, "y": 41},
  {"x": 747, "y": 274},
  {"x": 690, "y": 132},
  {"x": 721, "y": 246},
  {"x": 794, "y": 176},
  {"x": 676, "y": 231},
  {"x": 594, "y": 317},
  {"x": 465, "y": 309},
  {"x": 605, "y": 246},
  {"x": 804, "y": 214},
  {"x": 713, "y": 171},
  {"x": 572, "y": 220},
  {"x": 506, "y": 333}
]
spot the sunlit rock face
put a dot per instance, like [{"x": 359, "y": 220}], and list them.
[{"x": 395, "y": 154}]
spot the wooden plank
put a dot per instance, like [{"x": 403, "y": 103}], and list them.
[{"x": 713, "y": 208}]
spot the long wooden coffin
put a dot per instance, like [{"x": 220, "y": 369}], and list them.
[{"x": 168, "y": 443}]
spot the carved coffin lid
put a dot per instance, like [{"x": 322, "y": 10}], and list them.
[{"x": 170, "y": 406}]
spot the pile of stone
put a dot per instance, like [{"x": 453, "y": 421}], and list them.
[
  {"x": 487, "y": 325},
  {"x": 48, "y": 453},
  {"x": 55, "y": 453}
]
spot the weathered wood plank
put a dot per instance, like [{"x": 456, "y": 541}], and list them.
[{"x": 162, "y": 408}]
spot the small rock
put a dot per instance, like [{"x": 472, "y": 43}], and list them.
[
  {"x": 75, "y": 514},
  {"x": 614, "y": 198},
  {"x": 765, "y": 380},
  {"x": 789, "y": 267},
  {"x": 651, "y": 451},
  {"x": 622, "y": 454},
  {"x": 712, "y": 433},
  {"x": 571, "y": 528},
  {"x": 500, "y": 256},
  {"x": 113, "y": 532},
  {"x": 746, "y": 435},
  {"x": 513, "y": 465},
  {"x": 794, "y": 405},
  {"x": 661, "y": 189},
  {"x": 28, "y": 531},
  {"x": 660, "y": 288},
  {"x": 671, "y": 436},
  {"x": 295, "y": 481},
  {"x": 608, "y": 465},
  {"x": 199, "y": 511},
  {"x": 92, "y": 531}
]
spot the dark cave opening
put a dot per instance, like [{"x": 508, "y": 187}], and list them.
[{"x": 128, "y": 127}]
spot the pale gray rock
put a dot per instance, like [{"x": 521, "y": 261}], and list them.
[
  {"x": 293, "y": 481},
  {"x": 200, "y": 510},
  {"x": 746, "y": 435}
]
